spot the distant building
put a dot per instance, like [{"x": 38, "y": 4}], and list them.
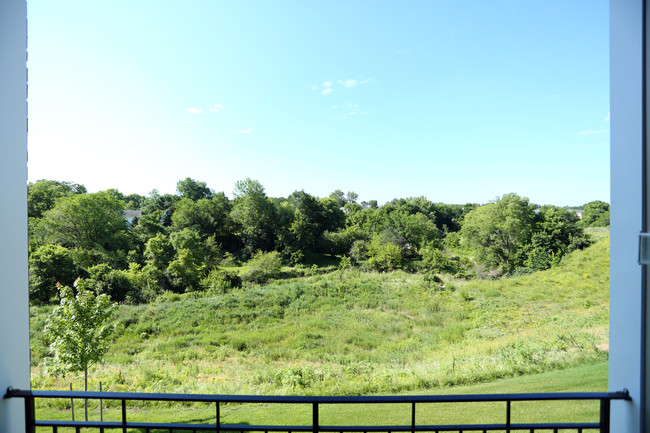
[{"x": 129, "y": 214}]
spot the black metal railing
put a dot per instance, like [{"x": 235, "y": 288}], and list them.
[{"x": 602, "y": 424}]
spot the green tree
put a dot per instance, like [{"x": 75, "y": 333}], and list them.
[
  {"x": 557, "y": 231},
  {"x": 209, "y": 217},
  {"x": 596, "y": 214},
  {"x": 193, "y": 189},
  {"x": 92, "y": 222},
  {"x": 384, "y": 256},
  {"x": 42, "y": 195},
  {"x": 78, "y": 332},
  {"x": 498, "y": 232},
  {"x": 49, "y": 265},
  {"x": 188, "y": 266},
  {"x": 102, "y": 279},
  {"x": 255, "y": 214}
]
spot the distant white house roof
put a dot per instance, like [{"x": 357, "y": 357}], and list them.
[{"x": 129, "y": 214}]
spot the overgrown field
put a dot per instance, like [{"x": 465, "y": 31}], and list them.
[{"x": 350, "y": 332}]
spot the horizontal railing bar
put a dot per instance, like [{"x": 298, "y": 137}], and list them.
[
  {"x": 620, "y": 395},
  {"x": 327, "y": 428}
]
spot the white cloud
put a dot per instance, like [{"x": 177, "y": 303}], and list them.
[
  {"x": 187, "y": 122},
  {"x": 246, "y": 131},
  {"x": 216, "y": 107},
  {"x": 326, "y": 91},
  {"x": 327, "y": 84},
  {"x": 349, "y": 83},
  {"x": 194, "y": 110},
  {"x": 594, "y": 131},
  {"x": 606, "y": 119}
]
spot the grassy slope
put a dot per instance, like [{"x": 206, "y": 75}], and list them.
[{"x": 356, "y": 333}]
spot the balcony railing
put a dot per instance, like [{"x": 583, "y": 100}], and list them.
[{"x": 602, "y": 424}]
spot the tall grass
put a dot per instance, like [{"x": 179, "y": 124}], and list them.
[{"x": 351, "y": 333}]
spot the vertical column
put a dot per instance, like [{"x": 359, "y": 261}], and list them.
[
  {"x": 14, "y": 307},
  {"x": 626, "y": 367}
]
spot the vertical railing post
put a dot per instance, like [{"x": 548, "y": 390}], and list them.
[
  {"x": 123, "y": 416},
  {"x": 218, "y": 418},
  {"x": 314, "y": 420},
  {"x": 30, "y": 414},
  {"x": 508, "y": 413},
  {"x": 412, "y": 417},
  {"x": 604, "y": 415}
]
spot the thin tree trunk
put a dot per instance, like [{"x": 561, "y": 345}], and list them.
[{"x": 86, "y": 389}]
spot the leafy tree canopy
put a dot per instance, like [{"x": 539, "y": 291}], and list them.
[
  {"x": 89, "y": 221},
  {"x": 78, "y": 330},
  {"x": 596, "y": 214},
  {"x": 193, "y": 189},
  {"x": 498, "y": 232},
  {"x": 49, "y": 265},
  {"x": 42, "y": 195}
]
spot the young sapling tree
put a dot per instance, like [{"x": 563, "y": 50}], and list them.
[{"x": 78, "y": 331}]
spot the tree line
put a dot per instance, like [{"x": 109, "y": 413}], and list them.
[{"x": 193, "y": 240}]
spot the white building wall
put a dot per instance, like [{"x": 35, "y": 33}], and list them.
[
  {"x": 14, "y": 306},
  {"x": 626, "y": 137}
]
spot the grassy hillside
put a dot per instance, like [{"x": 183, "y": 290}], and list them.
[{"x": 356, "y": 333}]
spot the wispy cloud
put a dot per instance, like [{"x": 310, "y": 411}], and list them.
[
  {"x": 330, "y": 86},
  {"x": 349, "y": 108},
  {"x": 594, "y": 131},
  {"x": 216, "y": 107},
  {"x": 194, "y": 110},
  {"x": 246, "y": 131},
  {"x": 187, "y": 122},
  {"x": 606, "y": 119},
  {"x": 349, "y": 83}
]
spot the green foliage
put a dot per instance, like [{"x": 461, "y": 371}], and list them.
[
  {"x": 159, "y": 252},
  {"x": 42, "y": 195},
  {"x": 357, "y": 333},
  {"x": 115, "y": 283},
  {"x": 93, "y": 222},
  {"x": 221, "y": 281},
  {"x": 78, "y": 331},
  {"x": 166, "y": 218},
  {"x": 384, "y": 256},
  {"x": 596, "y": 214},
  {"x": 49, "y": 265},
  {"x": 345, "y": 263},
  {"x": 498, "y": 232},
  {"x": 255, "y": 214},
  {"x": 263, "y": 267},
  {"x": 435, "y": 259},
  {"x": 193, "y": 189},
  {"x": 187, "y": 268}
]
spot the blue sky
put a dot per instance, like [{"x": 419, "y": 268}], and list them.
[{"x": 458, "y": 101}]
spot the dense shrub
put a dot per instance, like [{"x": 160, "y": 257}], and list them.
[
  {"x": 49, "y": 265},
  {"x": 221, "y": 281},
  {"x": 263, "y": 267}
]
